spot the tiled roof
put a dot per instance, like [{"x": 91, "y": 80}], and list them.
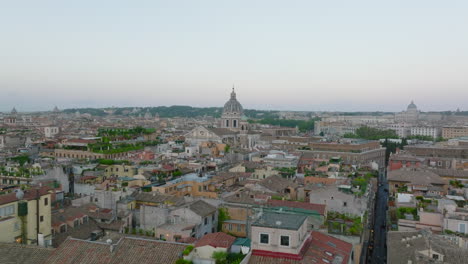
[
  {"x": 325, "y": 247},
  {"x": 217, "y": 240},
  {"x": 28, "y": 195},
  {"x": 155, "y": 197},
  {"x": 127, "y": 250},
  {"x": 277, "y": 183},
  {"x": 11, "y": 253},
  {"x": 417, "y": 177},
  {"x": 320, "y": 208},
  {"x": 322, "y": 249},
  {"x": 202, "y": 208}
]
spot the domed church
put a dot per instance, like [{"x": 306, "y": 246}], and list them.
[
  {"x": 411, "y": 115},
  {"x": 233, "y": 114}
]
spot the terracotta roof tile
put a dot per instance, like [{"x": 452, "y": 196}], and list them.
[
  {"x": 320, "y": 208},
  {"x": 216, "y": 240}
]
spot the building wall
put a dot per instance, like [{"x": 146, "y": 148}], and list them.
[
  {"x": 454, "y": 132},
  {"x": 152, "y": 217},
  {"x": 235, "y": 229},
  {"x": 426, "y": 131},
  {"x": 398, "y": 164},
  {"x": 296, "y": 238},
  {"x": 338, "y": 201},
  {"x": 454, "y": 225},
  {"x": 206, "y": 252},
  {"x": 11, "y": 228},
  {"x": 50, "y": 132},
  {"x": 264, "y": 173},
  {"x": 362, "y": 158},
  {"x": 192, "y": 188},
  {"x": 120, "y": 171}
]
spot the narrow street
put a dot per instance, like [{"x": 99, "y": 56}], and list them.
[{"x": 378, "y": 252}]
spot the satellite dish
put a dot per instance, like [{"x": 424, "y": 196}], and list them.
[{"x": 19, "y": 194}]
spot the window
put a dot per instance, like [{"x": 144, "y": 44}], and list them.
[
  {"x": 284, "y": 241},
  {"x": 264, "y": 238},
  {"x": 213, "y": 218},
  {"x": 435, "y": 256},
  {"x": 345, "y": 204},
  {"x": 7, "y": 210},
  {"x": 230, "y": 227},
  {"x": 462, "y": 228},
  {"x": 63, "y": 228},
  {"x": 239, "y": 228},
  {"x": 41, "y": 218},
  {"x": 17, "y": 226},
  {"x": 46, "y": 201},
  {"x": 206, "y": 220}
]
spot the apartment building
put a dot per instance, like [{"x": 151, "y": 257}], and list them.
[
  {"x": 454, "y": 131},
  {"x": 25, "y": 217}
]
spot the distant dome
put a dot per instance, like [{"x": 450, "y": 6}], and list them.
[
  {"x": 233, "y": 106},
  {"x": 13, "y": 111},
  {"x": 412, "y": 106}
]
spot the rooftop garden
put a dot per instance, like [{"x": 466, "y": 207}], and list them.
[
  {"x": 111, "y": 134},
  {"x": 344, "y": 224},
  {"x": 108, "y": 148},
  {"x": 361, "y": 182},
  {"x": 403, "y": 211},
  {"x": 286, "y": 172}
]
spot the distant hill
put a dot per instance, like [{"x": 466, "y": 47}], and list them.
[{"x": 170, "y": 111}]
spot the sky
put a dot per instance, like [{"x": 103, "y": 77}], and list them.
[{"x": 283, "y": 55}]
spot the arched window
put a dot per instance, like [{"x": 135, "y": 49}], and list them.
[
  {"x": 227, "y": 123},
  {"x": 234, "y": 123}
]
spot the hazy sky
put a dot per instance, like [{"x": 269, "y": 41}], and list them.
[{"x": 296, "y": 55}]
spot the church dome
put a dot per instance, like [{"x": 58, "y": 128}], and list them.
[
  {"x": 412, "y": 106},
  {"x": 233, "y": 106}
]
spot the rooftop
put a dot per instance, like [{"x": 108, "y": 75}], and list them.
[{"x": 280, "y": 220}]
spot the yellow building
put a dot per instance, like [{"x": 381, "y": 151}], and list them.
[
  {"x": 189, "y": 185},
  {"x": 120, "y": 171},
  {"x": 454, "y": 131},
  {"x": 19, "y": 220}
]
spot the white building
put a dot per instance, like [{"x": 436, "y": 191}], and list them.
[
  {"x": 50, "y": 132},
  {"x": 426, "y": 131}
]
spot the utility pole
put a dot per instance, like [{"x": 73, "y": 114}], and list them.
[{"x": 37, "y": 215}]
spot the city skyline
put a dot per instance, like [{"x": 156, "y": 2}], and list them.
[{"x": 304, "y": 56}]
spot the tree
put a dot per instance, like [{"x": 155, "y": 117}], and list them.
[
  {"x": 220, "y": 257},
  {"x": 223, "y": 215}
]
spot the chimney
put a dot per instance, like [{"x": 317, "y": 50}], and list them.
[{"x": 111, "y": 247}]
